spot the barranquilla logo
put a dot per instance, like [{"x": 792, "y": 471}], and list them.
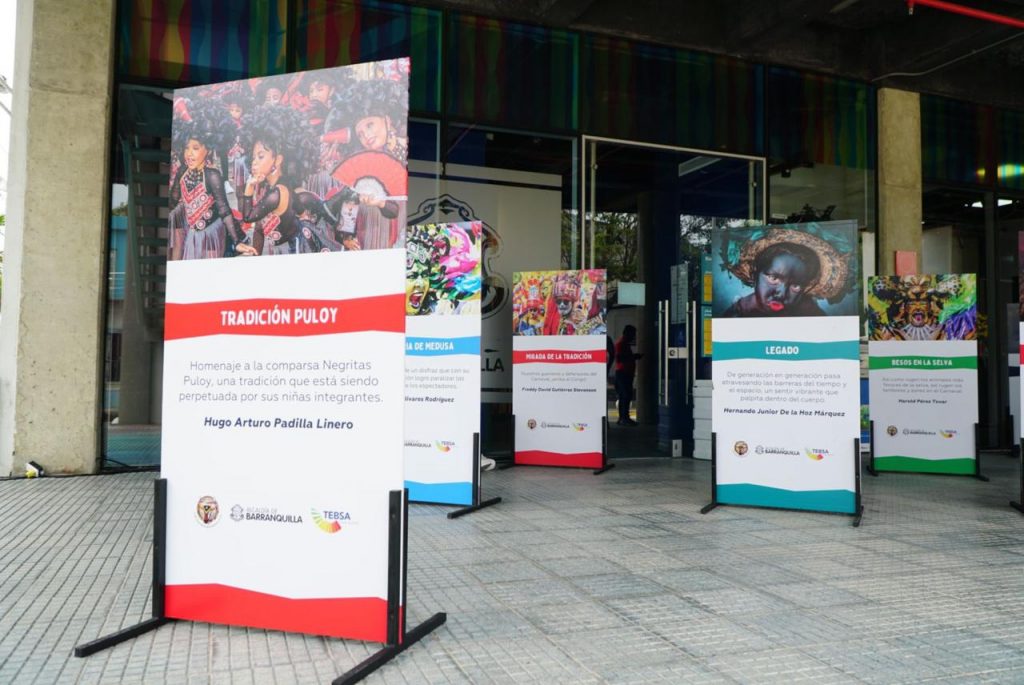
[{"x": 330, "y": 520}]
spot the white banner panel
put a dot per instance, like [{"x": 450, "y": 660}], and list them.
[
  {"x": 924, "y": 402},
  {"x": 442, "y": 367},
  {"x": 559, "y": 399},
  {"x": 786, "y": 411},
  {"x": 282, "y": 436}
]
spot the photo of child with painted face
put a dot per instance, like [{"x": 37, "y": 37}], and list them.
[
  {"x": 559, "y": 302},
  {"x": 792, "y": 270},
  {"x": 294, "y": 163},
  {"x": 443, "y": 269}
]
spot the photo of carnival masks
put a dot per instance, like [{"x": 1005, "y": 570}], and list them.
[
  {"x": 559, "y": 302},
  {"x": 443, "y": 269},
  {"x": 312, "y": 161},
  {"x": 923, "y": 307},
  {"x": 785, "y": 270}
]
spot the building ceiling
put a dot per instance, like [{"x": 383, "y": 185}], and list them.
[{"x": 931, "y": 51}]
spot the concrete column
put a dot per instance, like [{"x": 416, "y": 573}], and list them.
[
  {"x": 51, "y": 326},
  {"x": 899, "y": 176}
]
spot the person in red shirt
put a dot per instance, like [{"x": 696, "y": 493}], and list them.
[{"x": 625, "y": 371}]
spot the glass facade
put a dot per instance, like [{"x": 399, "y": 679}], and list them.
[{"x": 502, "y": 97}]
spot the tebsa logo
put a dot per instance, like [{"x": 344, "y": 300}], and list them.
[
  {"x": 815, "y": 454},
  {"x": 444, "y": 445},
  {"x": 947, "y": 434},
  {"x": 329, "y": 521},
  {"x": 579, "y": 427}
]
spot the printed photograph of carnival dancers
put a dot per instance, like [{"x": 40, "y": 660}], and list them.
[
  {"x": 307, "y": 162},
  {"x": 559, "y": 302},
  {"x": 443, "y": 270},
  {"x": 927, "y": 307},
  {"x": 787, "y": 270}
]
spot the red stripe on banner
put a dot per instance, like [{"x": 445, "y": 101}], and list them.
[
  {"x": 1022, "y": 352},
  {"x": 558, "y": 356},
  {"x": 285, "y": 317},
  {"x": 356, "y": 618},
  {"x": 583, "y": 460}
]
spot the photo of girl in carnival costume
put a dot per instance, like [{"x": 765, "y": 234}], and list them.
[
  {"x": 374, "y": 111},
  {"x": 443, "y": 274},
  {"x": 206, "y": 228},
  {"x": 282, "y": 151}
]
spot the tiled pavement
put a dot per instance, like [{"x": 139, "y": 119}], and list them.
[{"x": 572, "y": 579}]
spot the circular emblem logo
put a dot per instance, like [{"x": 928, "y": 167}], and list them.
[
  {"x": 207, "y": 510},
  {"x": 237, "y": 513},
  {"x": 891, "y": 430},
  {"x": 740, "y": 448},
  {"x": 531, "y": 424}
]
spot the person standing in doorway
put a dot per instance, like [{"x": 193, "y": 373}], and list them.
[{"x": 625, "y": 372}]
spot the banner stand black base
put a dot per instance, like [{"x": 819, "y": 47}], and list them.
[
  {"x": 977, "y": 456},
  {"x": 858, "y": 507},
  {"x": 120, "y": 636},
  {"x": 386, "y": 654},
  {"x": 1019, "y": 506},
  {"x": 871, "y": 449},
  {"x": 159, "y": 618},
  {"x": 398, "y": 639},
  {"x": 604, "y": 448},
  {"x": 478, "y": 501}
]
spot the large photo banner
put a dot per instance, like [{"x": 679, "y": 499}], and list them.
[
  {"x": 559, "y": 375},
  {"x": 283, "y": 395},
  {"x": 786, "y": 369},
  {"x": 442, "y": 367},
  {"x": 923, "y": 371}
]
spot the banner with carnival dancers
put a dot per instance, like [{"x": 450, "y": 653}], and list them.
[
  {"x": 558, "y": 359},
  {"x": 283, "y": 391},
  {"x": 291, "y": 164},
  {"x": 786, "y": 369},
  {"x": 442, "y": 367},
  {"x": 923, "y": 372}
]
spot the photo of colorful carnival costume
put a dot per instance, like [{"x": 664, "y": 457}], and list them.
[
  {"x": 923, "y": 307},
  {"x": 443, "y": 269},
  {"x": 559, "y": 303}
]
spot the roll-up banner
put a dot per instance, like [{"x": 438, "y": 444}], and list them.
[
  {"x": 785, "y": 367},
  {"x": 283, "y": 395},
  {"x": 923, "y": 371},
  {"x": 442, "y": 347},
  {"x": 559, "y": 374}
]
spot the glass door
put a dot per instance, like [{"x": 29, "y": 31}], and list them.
[{"x": 649, "y": 213}]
